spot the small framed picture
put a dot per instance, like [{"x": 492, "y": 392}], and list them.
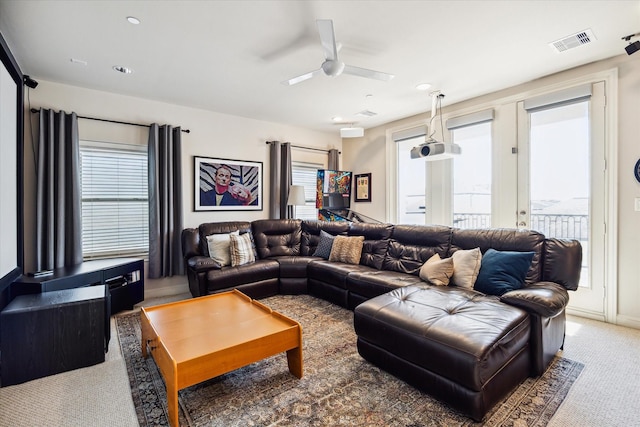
[
  {"x": 363, "y": 187},
  {"x": 227, "y": 185}
]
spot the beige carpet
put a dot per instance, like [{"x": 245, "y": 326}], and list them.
[
  {"x": 605, "y": 394},
  {"x": 338, "y": 388}
]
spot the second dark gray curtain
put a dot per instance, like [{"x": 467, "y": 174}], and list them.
[
  {"x": 334, "y": 160},
  {"x": 165, "y": 201},
  {"x": 280, "y": 178},
  {"x": 58, "y": 193}
]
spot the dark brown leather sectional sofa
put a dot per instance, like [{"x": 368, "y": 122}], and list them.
[{"x": 463, "y": 347}]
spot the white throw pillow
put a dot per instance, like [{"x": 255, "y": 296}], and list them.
[
  {"x": 466, "y": 266},
  {"x": 219, "y": 247}
]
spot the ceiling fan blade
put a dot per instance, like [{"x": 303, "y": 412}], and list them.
[
  {"x": 302, "y": 77},
  {"x": 327, "y": 38},
  {"x": 370, "y": 74}
]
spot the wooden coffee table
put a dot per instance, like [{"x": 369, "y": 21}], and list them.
[{"x": 194, "y": 340}]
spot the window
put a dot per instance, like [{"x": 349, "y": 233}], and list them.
[
  {"x": 472, "y": 177},
  {"x": 115, "y": 205},
  {"x": 411, "y": 183},
  {"x": 305, "y": 174}
]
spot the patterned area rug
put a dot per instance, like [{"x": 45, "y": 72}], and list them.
[{"x": 338, "y": 386}]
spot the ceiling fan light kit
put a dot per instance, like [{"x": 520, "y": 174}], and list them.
[
  {"x": 332, "y": 66},
  {"x": 351, "y": 132}
]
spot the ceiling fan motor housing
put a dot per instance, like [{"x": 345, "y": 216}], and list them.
[{"x": 332, "y": 68}]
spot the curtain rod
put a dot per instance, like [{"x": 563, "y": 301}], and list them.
[
  {"x": 33, "y": 110},
  {"x": 306, "y": 148}
]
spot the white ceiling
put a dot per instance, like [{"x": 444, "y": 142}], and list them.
[{"x": 231, "y": 56}]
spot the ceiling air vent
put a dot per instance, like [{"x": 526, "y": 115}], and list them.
[
  {"x": 366, "y": 113},
  {"x": 575, "y": 40}
]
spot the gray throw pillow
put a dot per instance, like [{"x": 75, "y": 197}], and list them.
[{"x": 324, "y": 246}]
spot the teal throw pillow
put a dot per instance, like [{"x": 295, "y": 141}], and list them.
[
  {"x": 324, "y": 245},
  {"x": 502, "y": 271}
]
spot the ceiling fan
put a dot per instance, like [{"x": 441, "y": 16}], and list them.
[{"x": 332, "y": 66}]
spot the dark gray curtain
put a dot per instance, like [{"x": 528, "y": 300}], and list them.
[
  {"x": 287, "y": 178},
  {"x": 334, "y": 160},
  {"x": 58, "y": 198},
  {"x": 275, "y": 159},
  {"x": 280, "y": 176},
  {"x": 165, "y": 201}
]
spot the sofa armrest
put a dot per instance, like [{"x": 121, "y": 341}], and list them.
[
  {"x": 547, "y": 299},
  {"x": 203, "y": 263}
]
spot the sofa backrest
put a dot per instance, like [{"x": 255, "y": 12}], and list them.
[
  {"x": 194, "y": 240},
  {"x": 562, "y": 262},
  {"x": 277, "y": 237},
  {"x": 311, "y": 233},
  {"x": 376, "y": 242},
  {"x": 411, "y": 246},
  {"x": 503, "y": 239}
]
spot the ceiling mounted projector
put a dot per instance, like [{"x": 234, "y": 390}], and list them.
[{"x": 434, "y": 150}]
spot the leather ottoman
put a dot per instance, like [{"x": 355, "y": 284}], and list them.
[{"x": 460, "y": 346}]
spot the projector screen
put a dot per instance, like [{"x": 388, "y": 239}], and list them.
[{"x": 10, "y": 168}]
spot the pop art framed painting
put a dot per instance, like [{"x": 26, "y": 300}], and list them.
[{"x": 227, "y": 185}]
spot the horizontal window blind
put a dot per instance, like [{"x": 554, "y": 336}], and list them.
[
  {"x": 306, "y": 175},
  {"x": 476, "y": 118},
  {"x": 115, "y": 205},
  {"x": 557, "y": 99},
  {"x": 403, "y": 135}
]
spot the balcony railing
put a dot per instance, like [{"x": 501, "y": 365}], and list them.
[{"x": 564, "y": 226}]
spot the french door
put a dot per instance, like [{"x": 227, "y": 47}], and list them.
[{"x": 561, "y": 180}]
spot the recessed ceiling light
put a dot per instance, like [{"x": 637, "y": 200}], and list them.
[
  {"x": 423, "y": 86},
  {"x": 133, "y": 20},
  {"x": 336, "y": 119},
  {"x": 123, "y": 70}
]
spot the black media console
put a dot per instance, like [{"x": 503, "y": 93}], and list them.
[{"x": 123, "y": 276}]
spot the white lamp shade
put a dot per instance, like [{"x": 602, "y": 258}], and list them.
[{"x": 296, "y": 196}]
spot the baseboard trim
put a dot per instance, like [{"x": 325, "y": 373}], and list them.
[
  {"x": 165, "y": 291},
  {"x": 628, "y": 321},
  {"x": 585, "y": 313}
]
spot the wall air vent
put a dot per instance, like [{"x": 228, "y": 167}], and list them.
[{"x": 574, "y": 40}]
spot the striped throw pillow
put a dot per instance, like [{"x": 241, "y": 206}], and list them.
[{"x": 241, "y": 250}]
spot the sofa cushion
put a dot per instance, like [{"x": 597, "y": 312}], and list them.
[
  {"x": 466, "y": 266},
  {"x": 241, "y": 249},
  {"x": 231, "y": 277},
  {"x": 412, "y": 245},
  {"x": 323, "y": 250},
  {"x": 276, "y": 237},
  {"x": 376, "y": 241},
  {"x": 347, "y": 249},
  {"x": 334, "y": 273},
  {"x": 502, "y": 271},
  {"x": 437, "y": 271},
  {"x": 311, "y": 233},
  {"x": 219, "y": 247},
  {"x": 371, "y": 283}
]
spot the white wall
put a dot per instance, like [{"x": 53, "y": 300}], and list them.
[
  {"x": 368, "y": 154},
  {"x": 212, "y": 135}
]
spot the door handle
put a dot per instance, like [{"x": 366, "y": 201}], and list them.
[
  {"x": 522, "y": 224},
  {"x": 523, "y": 212}
]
